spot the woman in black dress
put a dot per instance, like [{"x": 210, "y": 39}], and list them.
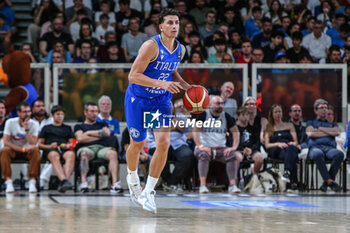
[{"x": 281, "y": 143}]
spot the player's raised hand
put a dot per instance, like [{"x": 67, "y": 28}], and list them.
[{"x": 172, "y": 87}]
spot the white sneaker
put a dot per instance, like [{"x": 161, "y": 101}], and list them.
[
  {"x": 203, "y": 189},
  {"x": 9, "y": 186},
  {"x": 32, "y": 188},
  {"x": 233, "y": 189},
  {"x": 134, "y": 190},
  {"x": 146, "y": 199}
]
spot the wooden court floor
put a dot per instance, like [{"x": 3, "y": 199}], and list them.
[{"x": 191, "y": 212}]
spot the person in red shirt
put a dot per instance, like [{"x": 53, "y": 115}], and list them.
[{"x": 246, "y": 54}]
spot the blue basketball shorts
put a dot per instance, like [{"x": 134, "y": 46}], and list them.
[{"x": 146, "y": 113}]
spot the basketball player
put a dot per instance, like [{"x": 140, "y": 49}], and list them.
[{"x": 152, "y": 81}]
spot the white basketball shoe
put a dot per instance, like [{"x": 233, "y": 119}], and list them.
[
  {"x": 146, "y": 199},
  {"x": 134, "y": 190}
]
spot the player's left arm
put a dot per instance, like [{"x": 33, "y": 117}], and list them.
[{"x": 176, "y": 77}]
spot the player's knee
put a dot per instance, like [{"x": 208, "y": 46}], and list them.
[
  {"x": 203, "y": 156},
  {"x": 137, "y": 145},
  {"x": 163, "y": 144}
]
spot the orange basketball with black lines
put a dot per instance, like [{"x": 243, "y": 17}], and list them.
[{"x": 196, "y": 99}]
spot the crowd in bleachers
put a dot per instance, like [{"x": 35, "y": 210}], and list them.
[{"x": 213, "y": 31}]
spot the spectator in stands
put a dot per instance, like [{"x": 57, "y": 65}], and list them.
[
  {"x": 332, "y": 117},
  {"x": 199, "y": 12},
  {"x": 194, "y": 40},
  {"x": 132, "y": 41},
  {"x": 2, "y": 123},
  {"x": 181, "y": 7},
  {"x": 296, "y": 118},
  {"x": 281, "y": 142},
  {"x": 249, "y": 140},
  {"x": 85, "y": 54},
  {"x": 27, "y": 49},
  {"x": 310, "y": 24},
  {"x": 9, "y": 15},
  {"x": 317, "y": 42},
  {"x": 211, "y": 145},
  {"x": 74, "y": 27},
  {"x": 5, "y": 35},
  {"x": 246, "y": 54},
  {"x": 152, "y": 28},
  {"x": 40, "y": 115},
  {"x": 344, "y": 30},
  {"x": 252, "y": 26},
  {"x": 210, "y": 26},
  {"x": 71, "y": 12},
  {"x": 286, "y": 23},
  {"x": 294, "y": 27},
  {"x": 179, "y": 151},
  {"x": 105, "y": 106},
  {"x": 271, "y": 49},
  {"x": 51, "y": 138},
  {"x": 59, "y": 47},
  {"x": 103, "y": 28},
  {"x": 115, "y": 54},
  {"x": 70, "y": 3},
  {"x": 325, "y": 14},
  {"x": 235, "y": 43},
  {"x": 185, "y": 32},
  {"x": 20, "y": 139},
  {"x": 247, "y": 10},
  {"x": 255, "y": 119},
  {"x": 230, "y": 104},
  {"x": 42, "y": 13},
  {"x": 276, "y": 12},
  {"x": 221, "y": 48},
  {"x": 86, "y": 34},
  {"x": 233, "y": 20},
  {"x": 92, "y": 137},
  {"x": 48, "y": 27},
  {"x": 334, "y": 55},
  {"x": 58, "y": 4},
  {"x": 48, "y": 39},
  {"x": 124, "y": 15},
  {"x": 211, "y": 46},
  {"x": 102, "y": 52},
  {"x": 297, "y": 50},
  {"x": 258, "y": 55},
  {"x": 334, "y": 31},
  {"x": 263, "y": 38},
  {"x": 322, "y": 144},
  {"x": 105, "y": 8},
  {"x": 154, "y": 5}
]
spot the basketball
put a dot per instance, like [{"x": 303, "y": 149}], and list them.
[{"x": 196, "y": 99}]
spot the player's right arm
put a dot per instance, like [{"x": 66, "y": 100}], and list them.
[{"x": 147, "y": 52}]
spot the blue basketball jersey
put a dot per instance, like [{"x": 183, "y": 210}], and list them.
[{"x": 160, "y": 68}]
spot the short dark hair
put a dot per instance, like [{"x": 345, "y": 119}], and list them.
[
  {"x": 266, "y": 20},
  {"x": 167, "y": 11},
  {"x": 57, "y": 108},
  {"x": 242, "y": 110},
  {"x": 256, "y": 8},
  {"x": 305, "y": 55},
  {"x": 194, "y": 33},
  {"x": 124, "y": 2},
  {"x": 2, "y": 101},
  {"x": 276, "y": 33},
  {"x": 112, "y": 43},
  {"x": 37, "y": 100},
  {"x": 247, "y": 41},
  {"x": 104, "y": 16},
  {"x": 81, "y": 12},
  {"x": 220, "y": 41},
  {"x": 20, "y": 105},
  {"x": 90, "y": 103},
  {"x": 210, "y": 12},
  {"x": 85, "y": 42},
  {"x": 297, "y": 35}
]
